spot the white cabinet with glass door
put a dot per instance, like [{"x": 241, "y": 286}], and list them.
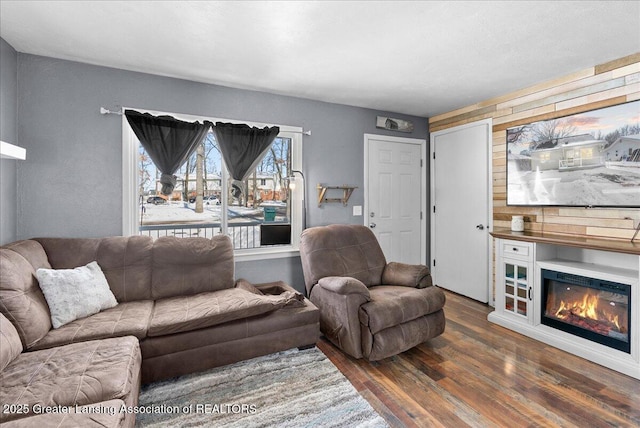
[{"x": 514, "y": 279}]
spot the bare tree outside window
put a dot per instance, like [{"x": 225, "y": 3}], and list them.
[{"x": 198, "y": 203}]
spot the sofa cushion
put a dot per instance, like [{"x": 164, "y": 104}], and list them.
[
  {"x": 10, "y": 343},
  {"x": 105, "y": 414},
  {"x": 32, "y": 251},
  {"x": 341, "y": 250},
  {"x": 75, "y": 293},
  {"x": 21, "y": 299},
  {"x": 188, "y": 266},
  {"x": 291, "y": 316},
  {"x": 125, "y": 261},
  {"x": 126, "y": 319},
  {"x": 393, "y": 305},
  {"x": 77, "y": 374},
  {"x": 187, "y": 313}
]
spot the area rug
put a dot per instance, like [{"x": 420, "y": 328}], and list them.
[{"x": 288, "y": 389}]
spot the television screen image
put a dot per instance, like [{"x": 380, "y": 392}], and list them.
[{"x": 590, "y": 159}]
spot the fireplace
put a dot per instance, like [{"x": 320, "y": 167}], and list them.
[{"x": 591, "y": 308}]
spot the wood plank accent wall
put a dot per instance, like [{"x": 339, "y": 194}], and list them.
[{"x": 600, "y": 86}]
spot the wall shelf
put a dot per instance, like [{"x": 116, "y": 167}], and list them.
[
  {"x": 10, "y": 151},
  {"x": 346, "y": 194}
]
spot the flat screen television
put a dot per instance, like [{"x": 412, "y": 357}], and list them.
[{"x": 590, "y": 159}]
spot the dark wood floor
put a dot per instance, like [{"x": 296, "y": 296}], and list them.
[{"x": 480, "y": 375}]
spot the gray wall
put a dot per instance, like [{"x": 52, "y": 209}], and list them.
[
  {"x": 8, "y": 134},
  {"x": 71, "y": 183}
]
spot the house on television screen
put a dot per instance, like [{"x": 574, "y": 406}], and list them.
[
  {"x": 570, "y": 153},
  {"x": 625, "y": 151}
]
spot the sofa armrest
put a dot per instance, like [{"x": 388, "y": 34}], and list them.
[
  {"x": 417, "y": 276},
  {"x": 339, "y": 300}
]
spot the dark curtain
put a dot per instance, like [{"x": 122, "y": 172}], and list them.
[
  {"x": 242, "y": 146},
  {"x": 168, "y": 141}
]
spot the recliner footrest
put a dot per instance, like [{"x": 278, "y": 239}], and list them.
[{"x": 402, "y": 337}]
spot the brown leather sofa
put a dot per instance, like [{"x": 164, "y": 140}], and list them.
[
  {"x": 368, "y": 308},
  {"x": 179, "y": 311}
]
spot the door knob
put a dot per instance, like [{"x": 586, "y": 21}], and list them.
[
  {"x": 372, "y": 225},
  {"x": 480, "y": 227}
]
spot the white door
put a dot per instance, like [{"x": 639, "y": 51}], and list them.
[
  {"x": 460, "y": 209},
  {"x": 395, "y": 195}
]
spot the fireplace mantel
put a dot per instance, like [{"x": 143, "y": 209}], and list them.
[
  {"x": 520, "y": 257},
  {"x": 615, "y": 245}
]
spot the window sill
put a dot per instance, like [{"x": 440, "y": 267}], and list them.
[{"x": 266, "y": 254}]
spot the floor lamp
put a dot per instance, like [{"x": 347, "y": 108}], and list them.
[{"x": 292, "y": 178}]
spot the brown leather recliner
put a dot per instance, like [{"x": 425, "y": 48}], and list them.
[{"x": 368, "y": 308}]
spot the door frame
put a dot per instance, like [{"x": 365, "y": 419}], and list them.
[
  {"x": 423, "y": 184},
  {"x": 488, "y": 123}
]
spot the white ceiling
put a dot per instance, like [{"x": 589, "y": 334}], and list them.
[{"x": 414, "y": 57}]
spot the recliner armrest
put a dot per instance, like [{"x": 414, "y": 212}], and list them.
[
  {"x": 417, "y": 276},
  {"x": 339, "y": 300},
  {"x": 344, "y": 285}
]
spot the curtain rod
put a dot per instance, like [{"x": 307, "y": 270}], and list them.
[{"x": 119, "y": 113}]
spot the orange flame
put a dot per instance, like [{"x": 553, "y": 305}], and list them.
[{"x": 587, "y": 308}]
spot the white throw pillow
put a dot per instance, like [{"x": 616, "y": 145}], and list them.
[{"x": 75, "y": 293}]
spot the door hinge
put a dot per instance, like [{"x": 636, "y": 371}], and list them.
[
  {"x": 434, "y": 208},
  {"x": 434, "y": 155},
  {"x": 420, "y": 163},
  {"x": 434, "y": 262},
  {"x": 420, "y": 215}
]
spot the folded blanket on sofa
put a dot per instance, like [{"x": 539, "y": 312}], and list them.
[
  {"x": 186, "y": 313},
  {"x": 273, "y": 288}
]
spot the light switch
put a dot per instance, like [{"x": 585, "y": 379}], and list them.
[{"x": 357, "y": 210}]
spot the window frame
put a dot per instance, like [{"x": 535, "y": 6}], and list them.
[{"x": 130, "y": 218}]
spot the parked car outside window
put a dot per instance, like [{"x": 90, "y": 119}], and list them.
[
  {"x": 156, "y": 200},
  {"x": 208, "y": 200},
  {"x": 212, "y": 200}
]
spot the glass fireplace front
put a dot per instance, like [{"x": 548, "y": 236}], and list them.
[{"x": 591, "y": 308}]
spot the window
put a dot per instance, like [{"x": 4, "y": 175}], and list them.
[
  {"x": 545, "y": 156},
  {"x": 261, "y": 214}
]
